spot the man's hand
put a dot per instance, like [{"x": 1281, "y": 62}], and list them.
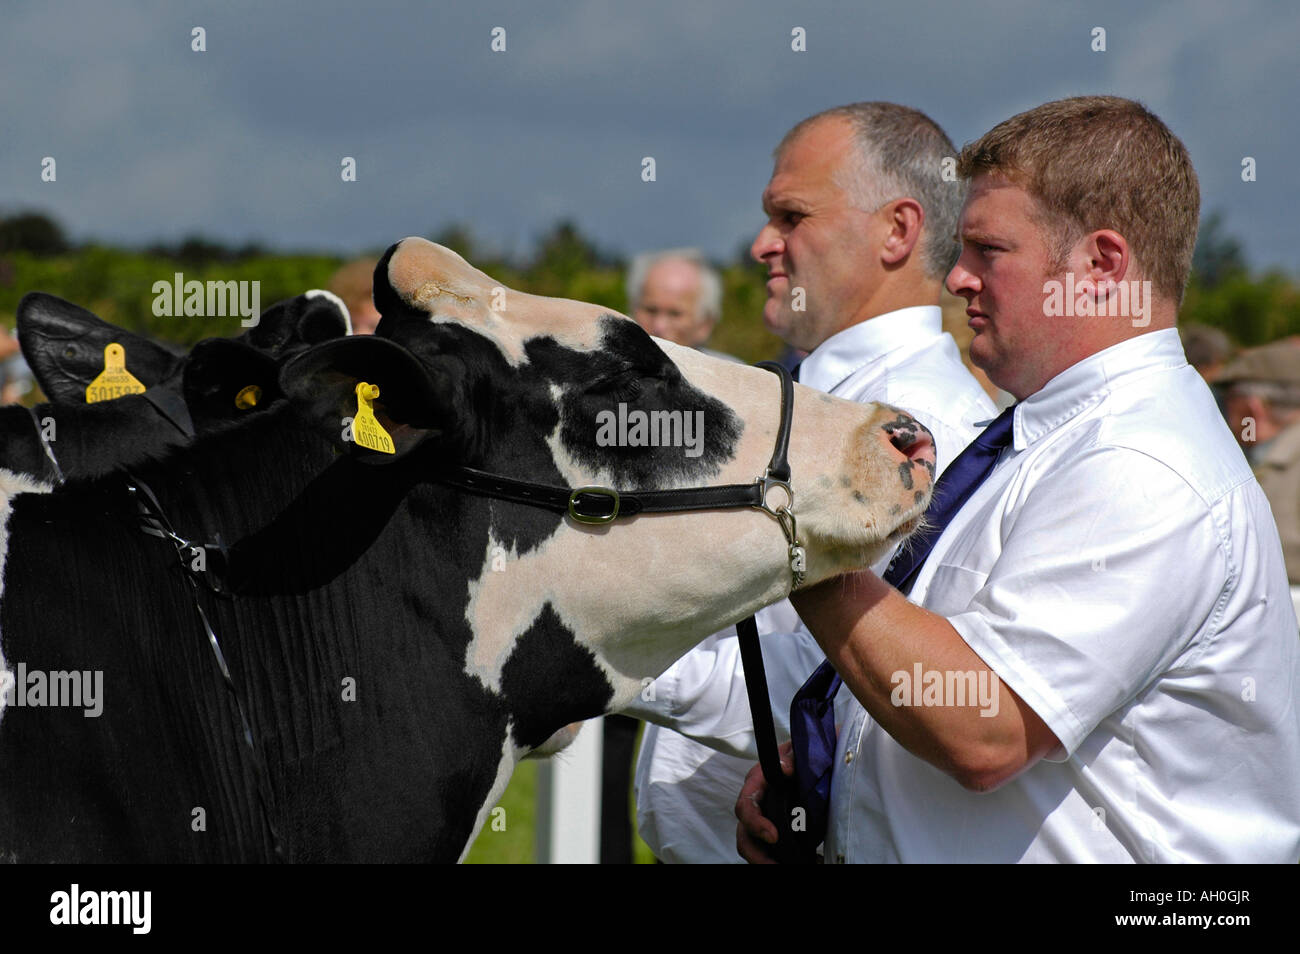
[{"x": 755, "y": 832}]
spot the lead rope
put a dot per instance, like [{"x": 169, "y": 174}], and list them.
[
  {"x": 779, "y": 802},
  {"x": 45, "y": 446},
  {"x": 155, "y": 523}
]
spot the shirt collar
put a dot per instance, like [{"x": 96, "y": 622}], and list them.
[
  {"x": 1085, "y": 383},
  {"x": 846, "y": 352}
]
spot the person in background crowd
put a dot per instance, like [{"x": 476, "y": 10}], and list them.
[
  {"x": 15, "y": 375},
  {"x": 1207, "y": 349},
  {"x": 1261, "y": 397},
  {"x": 859, "y": 235},
  {"x": 677, "y": 296},
  {"x": 353, "y": 283}
]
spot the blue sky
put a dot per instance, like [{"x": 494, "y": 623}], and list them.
[{"x": 243, "y": 142}]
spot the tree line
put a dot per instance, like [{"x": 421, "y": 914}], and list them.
[{"x": 115, "y": 282}]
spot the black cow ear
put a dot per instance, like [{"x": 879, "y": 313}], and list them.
[
  {"x": 64, "y": 345},
  {"x": 404, "y": 401},
  {"x": 297, "y": 323},
  {"x": 226, "y": 378}
]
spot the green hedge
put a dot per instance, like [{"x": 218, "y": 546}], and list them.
[{"x": 118, "y": 284}]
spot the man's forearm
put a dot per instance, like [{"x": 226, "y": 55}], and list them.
[{"x": 875, "y": 638}]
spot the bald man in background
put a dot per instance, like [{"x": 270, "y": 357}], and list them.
[{"x": 677, "y": 296}]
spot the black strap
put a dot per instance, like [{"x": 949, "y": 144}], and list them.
[
  {"x": 154, "y": 522},
  {"x": 779, "y": 800},
  {"x": 779, "y": 466},
  {"x": 45, "y": 446},
  {"x": 603, "y": 504},
  {"x": 598, "y": 502},
  {"x": 760, "y": 703}
]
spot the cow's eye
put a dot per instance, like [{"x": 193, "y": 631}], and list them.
[{"x": 624, "y": 384}]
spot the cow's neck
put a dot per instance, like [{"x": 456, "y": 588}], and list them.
[{"x": 352, "y": 583}]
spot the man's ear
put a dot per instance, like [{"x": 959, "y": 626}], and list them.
[
  {"x": 905, "y": 220},
  {"x": 297, "y": 323},
  {"x": 226, "y": 378},
  {"x": 1108, "y": 260},
  {"x": 415, "y": 401},
  {"x": 64, "y": 345}
]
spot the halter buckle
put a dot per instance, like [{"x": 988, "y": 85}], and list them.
[
  {"x": 765, "y": 484},
  {"x": 593, "y": 519}
]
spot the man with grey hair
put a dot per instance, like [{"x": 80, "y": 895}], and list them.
[
  {"x": 675, "y": 295},
  {"x": 859, "y": 236}
]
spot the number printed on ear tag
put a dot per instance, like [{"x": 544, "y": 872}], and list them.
[
  {"x": 115, "y": 380},
  {"x": 366, "y": 430}
]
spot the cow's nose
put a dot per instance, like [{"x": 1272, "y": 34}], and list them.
[
  {"x": 911, "y": 440},
  {"x": 916, "y": 444}
]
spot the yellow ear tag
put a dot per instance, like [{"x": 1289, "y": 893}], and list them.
[
  {"x": 248, "y": 397},
  {"x": 115, "y": 380},
  {"x": 367, "y": 431}
]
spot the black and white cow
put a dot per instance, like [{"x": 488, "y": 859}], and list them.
[{"x": 399, "y": 644}]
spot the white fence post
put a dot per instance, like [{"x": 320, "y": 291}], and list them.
[{"x": 568, "y": 801}]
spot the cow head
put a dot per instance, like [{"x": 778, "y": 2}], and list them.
[
  {"x": 226, "y": 378},
  {"x": 64, "y": 344},
  {"x": 219, "y": 381},
  {"x": 471, "y": 372}
]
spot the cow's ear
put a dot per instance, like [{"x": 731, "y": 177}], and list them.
[
  {"x": 297, "y": 323},
  {"x": 226, "y": 378},
  {"x": 415, "y": 401},
  {"x": 64, "y": 345}
]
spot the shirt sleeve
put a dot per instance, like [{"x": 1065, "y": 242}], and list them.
[
  {"x": 703, "y": 695},
  {"x": 1109, "y": 568}
]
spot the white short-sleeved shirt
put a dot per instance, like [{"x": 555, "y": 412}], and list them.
[
  {"x": 1121, "y": 572},
  {"x": 686, "y": 790}
]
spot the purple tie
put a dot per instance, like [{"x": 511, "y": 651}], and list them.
[{"x": 812, "y": 713}]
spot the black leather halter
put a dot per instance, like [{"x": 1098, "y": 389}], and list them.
[{"x": 602, "y": 505}]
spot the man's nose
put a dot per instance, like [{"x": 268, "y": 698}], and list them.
[
  {"x": 767, "y": 242},
  {"x": 961, "y": 281}
]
